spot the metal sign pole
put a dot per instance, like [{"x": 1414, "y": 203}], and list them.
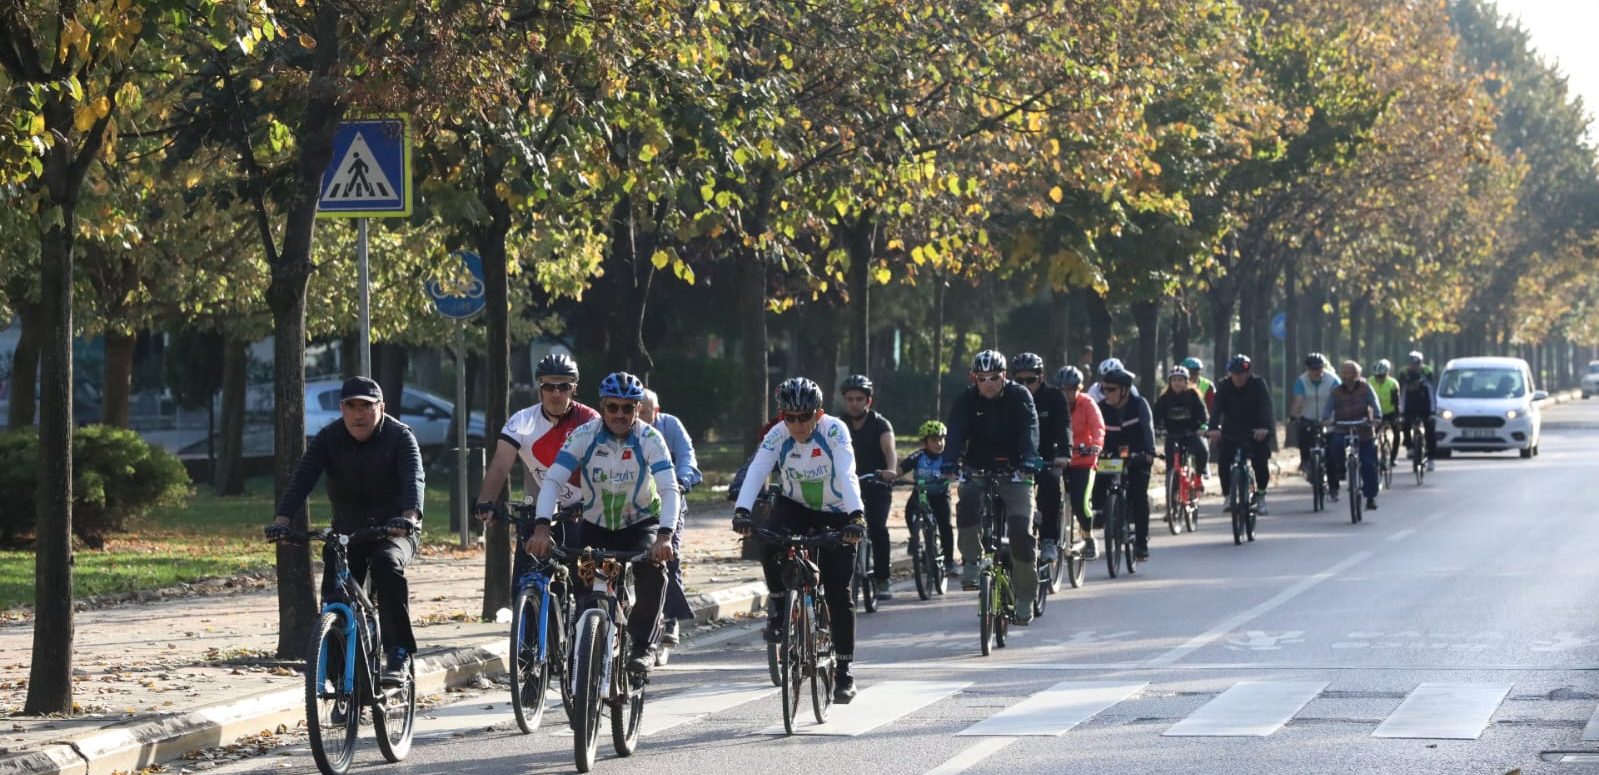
[
  {"x": 462, "y": 417},
  {"x": 364, "y": 351}
]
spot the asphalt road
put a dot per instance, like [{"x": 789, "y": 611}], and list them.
[{"x": 1454, "y": 631}]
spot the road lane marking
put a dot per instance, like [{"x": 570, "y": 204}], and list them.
[
  {"x": 1445, "y": 711},
  {"x": 1591, "y": 732},
  {"x": 972, "y": 756},
  {"x": 1102, "y": 667},
  {"x": 1401, "y": 535},
  {"x": 1248, "y": 709},
  {"x": 875, "y": 706},
  {"x": 698, "y": 702},
  {"x": 1244, "y": 617},
  {"x": 1054, "y": 711}
]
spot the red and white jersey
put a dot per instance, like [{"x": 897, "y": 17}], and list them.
[{"x": 538, "y": 440}]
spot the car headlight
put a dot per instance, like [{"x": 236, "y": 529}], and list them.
[
  {"x": 1447, "y": 414},
  {"x": 1512, "y": 414}
]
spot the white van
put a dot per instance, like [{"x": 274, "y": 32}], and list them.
[{"x": 1488, "y": 405}]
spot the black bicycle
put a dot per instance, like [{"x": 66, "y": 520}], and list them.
[
  {"x": 1416, "y": 432},
  {"x": 1119, "y": 530},
  {"x": 541, "y": 620},
  {"x": 344, "y": 663},
  {"x": 863, "y": 589},
  {"x": 1316, "y": 464},
  {"x": 1349, "y": 429},
  {"x": 1241, "y": 487},
  {"x": 996, "y": 596},
  {"x": 924, "y": 544},
  {"x": 806, "y": 643},
  {"x": 600, "y": 647}
]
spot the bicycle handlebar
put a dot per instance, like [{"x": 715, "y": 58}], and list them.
[
  {"x": 819, "y": 539},
  {"x": 327, "y": 535}
]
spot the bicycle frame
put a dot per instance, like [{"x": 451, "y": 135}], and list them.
[
  {"x": 355, "y": 637},
  {"x": 612, "y": 569}
]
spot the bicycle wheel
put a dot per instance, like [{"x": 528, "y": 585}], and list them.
[
  {"x": 531, "y": 676},
  {"x": 820, "y": 648},
  {"x": 332, "y": 715},
  {"x": 1041, "y": 596},
  {"x": 1129, "y": 554},
  {"x": 918, "y": 566},
  {"x": 1191, "y": 507},
  {"x": 865, "y": 588},
  {"x": 985, "y": 610},
  {"x": 558, "y": 659},
  {"x": 931, "y": 552},
  {"x": 394, "y": 719},
  {"x": 793, "y": 659},
  {"x": 588, "y": 671},
  {"x": 1113, "y": 534},
  {"x": 1055, "y": 567},
  {"x": 1355, "y": 504},
  {"x": 1076, "y": 566},
  {"x": 1240, "y": 509},
  {"x": 1174, "y": 501},
  {"x": 1416, "y": 464},
  {"x": 1318, "y": 485},
  {"x": 627, "y": 712},
  {"x": 1004, "y": 608}
]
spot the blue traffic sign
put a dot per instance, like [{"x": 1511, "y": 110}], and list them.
[
  {"x": 1279, "y": 327},
  {"x": 461, "y": 303},
  {"x": 369, "y": 175}
]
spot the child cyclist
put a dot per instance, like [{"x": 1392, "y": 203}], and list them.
[{"x": 927, "y": 464}]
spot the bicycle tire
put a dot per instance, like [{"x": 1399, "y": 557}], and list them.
[
  {"x": 863, "y": 584},
  {"x": 1353, "y": 464},
  {"x": 1055, "y": 566},
  {"x": 1240, "y": 508},
  {"x": 1129, "y": 553},
  {"x": 394, "y": 734},
  {"x": 332, "y": 743},
  {"x": 985, "y": 611},
  {"x": 793, "y": 659},
  {"x": 918, "y": 564},
  {"x": 530, "y": 673},
  {"x": 627, "y": 714},
  {"x": 1004, "y": 608},
  {"x": 774, "y": 663},
  {"x": 934, "y": 569},
  {"x": 588, "y": 671},
  {"x": 1041, "y": 596},
  {"x": 1191, "y": 508},
  {"x": 1076, "y": 566},
  {"x": 563, "y": 630},
  {"x": 1318, "y": 485},
  {"x": 1113, "y": 534},
  {"x": 820, "y": 646},
  {"x": 1174, "y": 501}
]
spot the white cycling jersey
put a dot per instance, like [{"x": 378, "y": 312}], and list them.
[
  {"x": 538, "y": 441},
  {"x": 818, "y": 472},
  {"x": 622, "y": 481}
]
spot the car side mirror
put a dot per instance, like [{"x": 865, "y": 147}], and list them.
[{"x": 1540, "y": 395}]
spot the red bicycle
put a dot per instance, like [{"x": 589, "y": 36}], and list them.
[{"x": 1183, "y": 487}]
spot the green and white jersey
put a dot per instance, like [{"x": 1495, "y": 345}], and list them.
[
  {"x": 623, "y": 481},
  {"x": 818, "y": 473}
]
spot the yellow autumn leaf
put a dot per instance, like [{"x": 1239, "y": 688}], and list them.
[
  {"x": 660, "y": 259},
  {"x": 882, "y": 275},
  {"x": 37, "y": 128},
  {"x": 102, "y": 106},
  {"x": 1056, "y": 194},
  {"x": 192, "y": 178},
  {"x": 307, "y": 42},
  {"x": 83, "y": 118}
]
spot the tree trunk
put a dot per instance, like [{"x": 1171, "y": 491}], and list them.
[
  {"x": 1098, "y": 326},
  {"x": 1060, "y": 316},
  {"x": 349, "y": 355},
  {"x": 1291, "y": 326},
  {"x": 816, "y": 342},
  {"x": 391, "y": 361},
  {"x": 751, "y": 285},
  {"x": 1358, "y": 306},
  {"x": 490, "y": 239},
  {"x": 858, "y": 241},
  {"x": 118, "y": 393},
  {"x": 1222, "y": 300},
  {"x": 1146, "y": 314},
  {"x": 1333, "y": 326},
  {"x": 940, "y": 287},
  {"x": 24, "y": 367},
  {"x": 229, "y": 479},
  {"x": 1182, "y": 331}
]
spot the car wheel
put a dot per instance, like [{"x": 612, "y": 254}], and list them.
[
  {"x": 1443, "y": 454},
  {"x": 1526, "y": 452}
]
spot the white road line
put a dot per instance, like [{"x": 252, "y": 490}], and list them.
[
  {"x": 1401, "y": 535},
  {"x": 477, "y": 714},
  {"x": 1238, "y": 620},
  {"x": 875, "y": 706},
  {"x": 1591, "y": 732},
  {"x": 697, "y": 703},
  {"x": 1445, "y": 711},
  {"x": 972, "y": 756},
  {"x": 1055, "y": 710},
  {"x": 1248, "y": 709},
  {"x": 1104, "y": 667}
]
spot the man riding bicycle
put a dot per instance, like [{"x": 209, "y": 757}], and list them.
[
  {"x": 1053, "y": 438},
  {"x": 872, "y": 437},
  {"x": 1312, "y": 395},
  {"x": 1207, "y": 389},
  {"x": 1417, "y": 403},
  {"x": 628, "y": 500},
  {"x": 1243, "y": 412},
  {"x": 1129, "y": 429},
  {"x": 1082, "y": 457},
  {"x": 994, "y": 424},
  {"x": 815, "y": 466},
  {"x": 1353, "y": 400},
  {"x": 375, "y": 478},
  {"x": 1387, "y": 389}
]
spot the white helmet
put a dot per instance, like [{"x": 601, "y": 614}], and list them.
[
  {"x": 1109, "y": 365},
  {"x": 1383, "y": 367}
]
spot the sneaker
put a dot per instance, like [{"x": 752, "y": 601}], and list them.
[
  {"x": 969, "y": 576},
  {"x": 642, "y": 659},
  {"x": 951, "y": 569},
  {"x": 884, "y": 592},
  {"x": 1430, "y": 465},
  {"x": 669, "y": 633},
  {"x": 1260, "y": 504},
  {"x": 1141, "y": 555},
  {"x": 340, "y": 712},
  {"x": 1332, "y": 495},
  {"x": 774, "y": 619},
  {"x": 1024, "y": 615},
  {"x": 843, "y": 685},
  {"x": 1090, "y": 549},
  {"x": 1371, "y": 504},
  {"x": 398, "y": 670},
  {"x": 1049, "y": 551}
]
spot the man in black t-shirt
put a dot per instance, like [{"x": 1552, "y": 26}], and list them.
[
  {"x": 872, "y": 437},
  {"x": 1054, "y": 440}
]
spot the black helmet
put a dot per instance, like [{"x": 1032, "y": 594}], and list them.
[
  {"x": 1027, "y": 362},
  {"x": 859, "y": 382},
  {"x": 1315, "y": 361},
  {"x": 1240, "y": 364},
  {"x": 987, "y": 361},
  {"x": 1069, "y": 376},
  {"x": 556, "y": 365},
  {"x": 799, "y": 395},
  {"x": 1118, "y": 378}
]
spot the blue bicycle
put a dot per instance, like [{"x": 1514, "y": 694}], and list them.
[{"x": 540, "y": 632}]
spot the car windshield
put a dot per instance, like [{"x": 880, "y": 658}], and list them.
[
  {"x": 1482, "y": 383},
  {"x": 1593, "y": 368}
]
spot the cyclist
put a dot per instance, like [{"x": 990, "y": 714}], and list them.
[
  {"x": 815, "y": 464},
  {"x": 992, "y": 422},
  {"x": 1129, "y": 429},
  {"x": 1180, "y": 412},
  {"x": 1086, "y": 440},
  {"x": 872, "y": 437},
  {"x": 375, "y": 477},
  {"x": 1207, "y": 390},
  {"x": 688, "y": 473},
  {"x": 1243, "y": 410},
  {"x": 1353, "y": 399},
  {"x": 1054, "y": 436},
  {"x": 1312, "y": 395},
  {"x": 1416, "y": 401},
  {"x": 1387, "y": 389},
  {"x": 928, "y": 463},
  {"x": 1105, "y": 367},
  {"x": 629, "y": 501}
]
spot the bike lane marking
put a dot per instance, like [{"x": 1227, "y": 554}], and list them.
[
  {"x": 874, "y": 707},
  {"x": 1056, "y": 710},
  {"x": 1248, "y": 709}
]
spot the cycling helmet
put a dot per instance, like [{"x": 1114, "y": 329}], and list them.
[
  {"x": 622, "y": 385},
  {"x": 799, "y": 395},
  {"x": 1109, "y": 365},
  {"x": 1240, "y": 364},
  {"x": 931, "y": 428},
  {"x": 1069, "y": 376},
  {"x": 1315, "y": 361},
  {"x": 1178, "y": 371},
  {"x": 859, "y": 382},
  {"x": 1416, "y": 358},
  {"x": 1118, "y": 378},
  {"x": 1027, "y": 362},
  {"x": 1193, "y": 364},
  {"x": 1383, "y": 367},
  {"x": 556, "y": 365},
  {"x": 987, "y": 361}
]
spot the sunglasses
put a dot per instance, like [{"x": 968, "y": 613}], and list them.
[
  {"x": 793, "y": 418},
  {"x": 1108, "y": 389},
  {"x": 556, "y": 387},
  {"x": 1027, "y": 380},
  {"x": 990, "y": 377},
  {"x": 616, "y": 407}
]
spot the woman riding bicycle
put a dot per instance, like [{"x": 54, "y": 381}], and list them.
[{"x": 1180, "y": 412}]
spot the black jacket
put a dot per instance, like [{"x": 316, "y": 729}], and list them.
[
  {"x": 1242, "y": 410},
  {"x": 982, "y": 430},
  {"x": 1180, "y": 414},
  {"x": 369, "y": 482},
  {"x": 1054, "y": 423},
  {"x": 1130, "y": 426}
]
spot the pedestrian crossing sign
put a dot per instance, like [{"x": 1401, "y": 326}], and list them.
[{"x": 369, "y": 174}]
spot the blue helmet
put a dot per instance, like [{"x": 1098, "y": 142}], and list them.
[{"x": 622, "y": 385}]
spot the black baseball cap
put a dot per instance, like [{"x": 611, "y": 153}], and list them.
[{"x": 361, "y": 389}]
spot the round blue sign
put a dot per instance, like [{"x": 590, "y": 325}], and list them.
[
  {"x": 1279, "y": 327},
  {"x": 455, "y": 304}
]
